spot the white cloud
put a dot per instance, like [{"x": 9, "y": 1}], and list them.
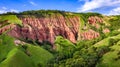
[
  {"x": 115, "y": 11},
  {"x": 84, "y": 0},
  {"x": 5, "y": 10},
  {"x": 13, "y": 10},
  {"x": 33, "y": 3},
  {"x": 93, "y": 4},
  {"x": 2, "y": 11}
]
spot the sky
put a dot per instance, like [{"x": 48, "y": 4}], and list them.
[{"x": 106, "y": 7}]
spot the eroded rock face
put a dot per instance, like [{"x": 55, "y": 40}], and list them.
[
  {"x": 46, "y": 29},
  {"x": 94, "y": 21},
  {"x": 90, "y": 34},
  {"x": 6, "y": 28},
  {"x": 106, "y": 30}
]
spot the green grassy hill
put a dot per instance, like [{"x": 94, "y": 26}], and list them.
[
  {"x": 22, "y": 56},
  {"x": 111, "y": 58},
  {"x": 17, "y": 58},
  {"x": 39, "y": 55}
]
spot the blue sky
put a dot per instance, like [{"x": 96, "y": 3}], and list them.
[{"x": 108, "y": 7}]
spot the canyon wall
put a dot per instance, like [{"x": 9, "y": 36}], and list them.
[{"x": 45, "y": 29}]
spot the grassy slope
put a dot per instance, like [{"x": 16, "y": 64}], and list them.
[
  {"x": 10, "y": 56},
  {"x": 105, "y": 42},
  {"x": 39, "y": 55},
  {"x": 111, "y": 58},
  {"x": 11, "y": 19},
  {"x": 35, "y": 57},
  {"x": 6, "y": 44},
  {"x": 17, "y": 58},
  {"x": 108, "y": 59}
]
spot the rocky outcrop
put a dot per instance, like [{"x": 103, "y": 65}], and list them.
[
  {"x": 47, "y": 28},
  {"x": 94, "y": 21},
  {"x": 18, "y": 42},
  {"x": 90, "y": 34},
  {"x": 106, "y": 30}
]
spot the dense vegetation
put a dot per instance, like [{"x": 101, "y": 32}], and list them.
[
  {"x": 115, "y": 22},
  {"x": 103, "y": 51}
]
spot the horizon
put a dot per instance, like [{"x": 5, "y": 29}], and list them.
[{"x": 105, "y": 7}]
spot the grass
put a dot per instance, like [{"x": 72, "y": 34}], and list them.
[
  {"x": 116, "y": 46},
  {"x": 108, "y": 60},
  {"x": 39, "y": 55},
  {"x": 11, "y": 19},
  {"x": 11, "y": 56},
  {"x": 102, "y": 42},
  {"x": 105, "y": 42},
  {"x": 17, "y": 58},
  {"x": 6, "y": 44},
  {"x": 111, "y": 58}
]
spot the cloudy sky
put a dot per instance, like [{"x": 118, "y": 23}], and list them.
[{"x": 107, "y": 7}]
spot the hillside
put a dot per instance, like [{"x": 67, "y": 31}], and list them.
[{"x": 52, "y": 38}]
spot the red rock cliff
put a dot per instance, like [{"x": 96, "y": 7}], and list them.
[{"x": 47, "y": 28}]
